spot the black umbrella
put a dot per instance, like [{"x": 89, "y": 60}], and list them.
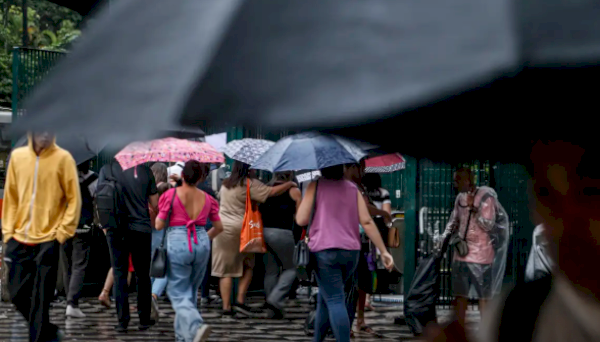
[
  {"x": 330, "y": 65},
  {"x": 78, "y": 146},
  {"x": 83, "y": 7}
]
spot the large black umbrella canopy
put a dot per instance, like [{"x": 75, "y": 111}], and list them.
[
  {"x": 83, "y": 7},
  {"x": 78, "y": 146},
  {"x": 322, "y": 64}
]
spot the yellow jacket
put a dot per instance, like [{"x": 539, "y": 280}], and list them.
[{"x": 42, "y": 201}]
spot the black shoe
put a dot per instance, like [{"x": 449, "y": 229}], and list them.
[
  {"x": 144, "y": 327},
  {"x": 246, "y": 310},
  {"x": 229, "y": 313},
  {"x": 120, "y": 329},
  {"x": 273, "y": 312}
]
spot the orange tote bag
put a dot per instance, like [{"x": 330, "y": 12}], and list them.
[{"x": 252, "y": 239}]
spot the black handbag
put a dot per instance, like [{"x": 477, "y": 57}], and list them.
[
  {"x": 301, "y": 252},
  {"x": 158, "y": 267}
]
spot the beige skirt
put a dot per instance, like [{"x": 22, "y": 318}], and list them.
[{"x": 227, "y": 261}]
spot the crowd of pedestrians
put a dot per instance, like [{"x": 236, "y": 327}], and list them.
[{"x": 49, "y": 210}]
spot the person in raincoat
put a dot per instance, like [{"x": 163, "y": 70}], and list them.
[
  {"x": 539, "y": 263},
  {"x": 480, "y": 224}
]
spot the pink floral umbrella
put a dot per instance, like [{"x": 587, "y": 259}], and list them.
[{"x": 167, "y": 150}]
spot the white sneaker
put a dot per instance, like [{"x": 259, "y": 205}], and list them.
[
  {"x": 74, "y": 312},
  {"x": 203, "y": 333}
]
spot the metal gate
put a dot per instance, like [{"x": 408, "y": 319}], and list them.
[{"x": 30, "y": 66}]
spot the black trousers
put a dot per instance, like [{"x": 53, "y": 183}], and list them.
[
  {"x": 205, "y": 290},
  {"x": 121, "y": 243},
  {"x": 75, "y": 254},
  {"x": 31, "y": 284}
]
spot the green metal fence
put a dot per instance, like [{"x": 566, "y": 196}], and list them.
[{"x": 30, "y": 66}]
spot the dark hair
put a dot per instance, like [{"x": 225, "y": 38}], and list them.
[
  {"x": 162, "y": 188},
  {"x": 160, "y": 172},
  {"x": 282, "y": 177},
  {"x": 372, "y": 181},
  {"x": 465, "y": 171},
  {"x": 84, "y": 167},
  {"x": 239, "y": 172},
  {"x": 194, "y": 172},
  {"x": 335, "y": 172}
]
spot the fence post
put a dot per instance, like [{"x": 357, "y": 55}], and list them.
[
  {"x": 15, "y": 89},
  {"x": 410, "y": 217}
]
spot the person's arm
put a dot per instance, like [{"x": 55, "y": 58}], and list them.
[
  {"x": 164, "y": 205},
  {"x": 9, "y": 204},
  {"x": 454, "y": 221},
  {"x": 70, "y": 184},
  {"x": 216, "y": 229},
  {"x": 296, "y": 195},
  {"x": 305, "y": 209},
  {"x": 281, "y": 189},
  {"x": 374, "y": 211},
  {"x": 213, "y": 215},
  {"x": 387, "y": 202},
  {"x": 486, "y": 214},
  {"x": 153, "y": 201},
  {"x": 153, "y": 191},
  {"x": 372, "y": 232}
]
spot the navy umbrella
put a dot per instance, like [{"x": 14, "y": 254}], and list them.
[{"x": 309, "y": 151}]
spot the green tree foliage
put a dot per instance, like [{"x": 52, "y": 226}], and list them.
[{"x": 50, "y": 27}]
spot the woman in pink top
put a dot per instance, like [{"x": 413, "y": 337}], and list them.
[
  {"x": 334, "y": 240},
  {"x": 188, "y": 248}
]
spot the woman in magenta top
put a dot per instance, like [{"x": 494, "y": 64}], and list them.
[
  {"x": 188, "y": 247},
  {"x": 334, "y": 240}
]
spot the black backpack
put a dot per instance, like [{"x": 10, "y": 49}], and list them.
[
  {"x": 87, "y": 201},
  {"x": 108, "y": 199}
]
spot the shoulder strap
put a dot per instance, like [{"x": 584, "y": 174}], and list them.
[
  {"x": 469, "y": 218},
  {"x": 162, "y": 243},
  {"x": 86, "y": 182},
  {"x": 521, "y": 310},
  {"x": 312, "y": 212}
]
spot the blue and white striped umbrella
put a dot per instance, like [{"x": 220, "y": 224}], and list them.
[
  {"x": 247, "y": 150},
  {"x": 309, "y": 151}
]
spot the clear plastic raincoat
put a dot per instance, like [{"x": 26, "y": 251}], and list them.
[{"x": 487, "y": 237}]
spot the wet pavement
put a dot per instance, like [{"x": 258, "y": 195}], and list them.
[{"x": 99, "y": 323}]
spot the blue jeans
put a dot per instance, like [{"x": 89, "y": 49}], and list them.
[
  {"x": 158, "y": 284},
  {"x": 334, "y": 268},
  {"x": 185, "y": 271}
]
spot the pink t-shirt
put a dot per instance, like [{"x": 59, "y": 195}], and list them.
[{"x": 179, "y": 216}]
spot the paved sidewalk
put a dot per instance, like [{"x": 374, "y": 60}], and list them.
[{"x": 98, "y": 326}]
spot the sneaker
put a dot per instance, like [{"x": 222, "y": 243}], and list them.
[
  {"x": 228, "y": 313},
  {"x": 204, "y": 301},
  {"x": 74, "y": 312},
  {"x": 202, "y": 333},
  {"x": 246, "y": 310},
  {"x": 274, "y": 313},
  {"x": 154, "y": 310}
]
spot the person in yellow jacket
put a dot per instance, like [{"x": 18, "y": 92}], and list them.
[{"x": 42, "y": 205}]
